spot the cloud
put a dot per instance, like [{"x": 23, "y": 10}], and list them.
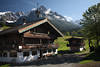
[{"x": 68, "y": 18}]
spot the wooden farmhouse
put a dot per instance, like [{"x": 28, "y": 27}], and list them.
[
  {"x": 76, "y": 44},
  {"x": 28, "y": 42}
]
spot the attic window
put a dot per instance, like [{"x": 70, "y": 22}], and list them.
[{"x": 33, "y": 30}]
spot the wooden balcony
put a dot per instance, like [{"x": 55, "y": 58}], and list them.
[{"x": 36, "y": 35}]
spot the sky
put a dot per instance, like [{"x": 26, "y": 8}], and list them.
[{"x": 72, "y": 9}]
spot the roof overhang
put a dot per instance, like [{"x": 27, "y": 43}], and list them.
[
  {"x": 24, "y": 28},
  {"x": 37, "y": 24}
]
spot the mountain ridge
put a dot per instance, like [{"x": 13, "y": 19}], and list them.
[{"x": 56, "y": 19}]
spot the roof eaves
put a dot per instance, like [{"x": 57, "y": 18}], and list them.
[
  {"x": 32, "y": 26},
  {"x": 55, "y": 28}
]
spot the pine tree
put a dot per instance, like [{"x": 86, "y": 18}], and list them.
[{"x": 91, "y": 23}]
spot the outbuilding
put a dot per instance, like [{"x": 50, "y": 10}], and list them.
[{"x": 76, "y": 44}]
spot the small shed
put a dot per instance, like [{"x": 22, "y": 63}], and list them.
[{"x": 76, "y": 44}]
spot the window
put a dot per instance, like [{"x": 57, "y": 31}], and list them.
[
  {"x": 54, "y": 50},
  {"x": 0, "y": 54},
  {"x": 45, "y": 51},
  {"x": 5, "y": 54},
  {"x": 13, "y": 54},
  {"x": 34, "y": 52},
  {"x": 25, "y": 53},
  {"x": 36, "y": 41},
  {"x": 32, "y": 41},
  {"x": 45, "y": 41},
  {"x": 33, "y": 31},
  {"x": 49, "y": 50}
]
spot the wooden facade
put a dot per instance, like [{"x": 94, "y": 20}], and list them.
[
  {"x": 34, "y": 39},
  {"x": 76, "y": 44}
]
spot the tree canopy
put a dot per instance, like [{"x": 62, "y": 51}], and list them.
[{"x": 91, "y": 23}]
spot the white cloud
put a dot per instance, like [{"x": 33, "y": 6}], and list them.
[{"x": 68, "y": 18}]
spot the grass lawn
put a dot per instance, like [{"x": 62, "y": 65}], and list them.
[
  {"x": 6, "y": 65},
  {"x": 62, "y": 44},
  {"x": 91, "y": 57},
  {"x": 86, "y": 61},
  {"x": 4, "y": 27}
]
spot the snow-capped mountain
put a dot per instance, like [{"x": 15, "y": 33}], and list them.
[
  {"x": 10, "y": 17},
  {"x": 19, "y": 14},
  {"x": 43, "y": 13},
  {"x": 58, "y": 20},
  {"x": 39, "y": 13}
]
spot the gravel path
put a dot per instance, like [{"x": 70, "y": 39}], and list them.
[{"x": 67, "y": 60}]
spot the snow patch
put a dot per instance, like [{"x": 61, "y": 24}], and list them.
[
  {"x": 10, "y": 21},
  {"x": 3, "y": 13},
  {"x": 58, "y": 17},
  {"x": 48, "y": 11},
  {"x": 68, "y": 18},
  {"x": 63, "y": 19},
  {"x": 34, "y": 9}
]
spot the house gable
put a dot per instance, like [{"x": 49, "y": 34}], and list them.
[{"x": 21, "y": 30}]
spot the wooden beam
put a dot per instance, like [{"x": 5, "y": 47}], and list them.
[{"x": 32, "y": 26}]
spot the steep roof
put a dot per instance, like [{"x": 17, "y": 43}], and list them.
[{"x": 26, "y": 27}]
